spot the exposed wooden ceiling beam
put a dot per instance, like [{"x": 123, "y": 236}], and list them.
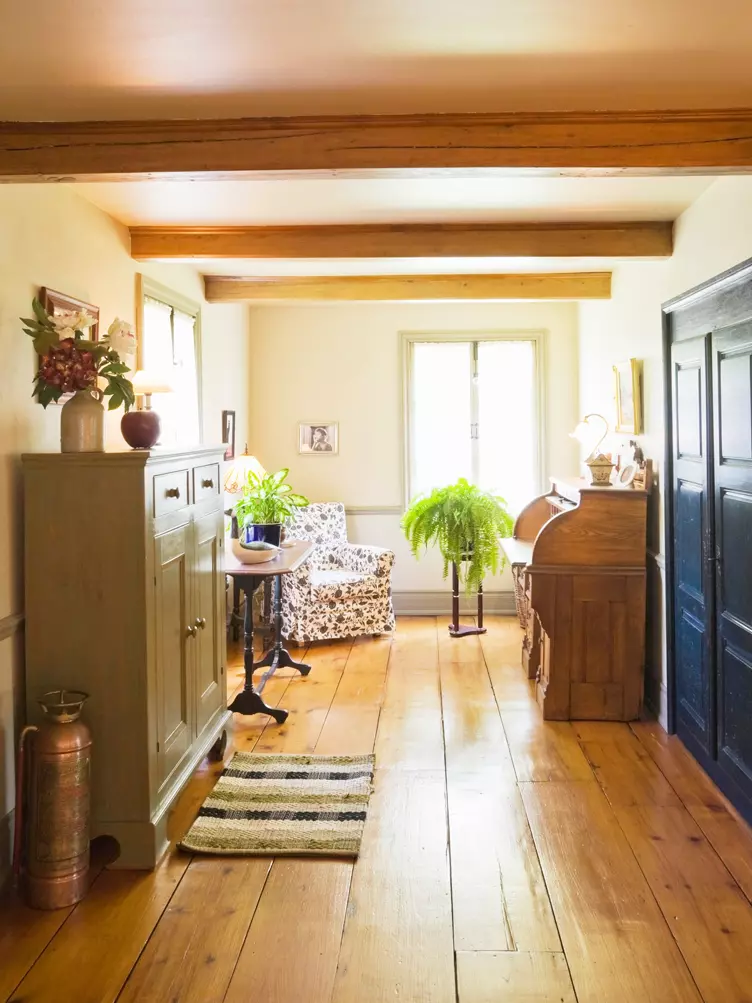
[
  {"x": 541, "y": 286},
  {"x": 405, "y": 240},
  {"x": 715, "y": 141}
]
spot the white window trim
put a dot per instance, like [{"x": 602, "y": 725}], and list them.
[
  {"x": 148, "y": 287},
  {"x": 537, "y": 336}
]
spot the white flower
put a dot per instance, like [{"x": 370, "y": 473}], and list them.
[
  {"x": 121, "y": 338},
  {"x": 65, "y": 332},
  {"x": 72, "y": 320}
]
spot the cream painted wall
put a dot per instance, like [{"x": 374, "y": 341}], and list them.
[
  {"x": 714, "y": 234},
  {"x": 51, "y": 236},
  {"x": 343, "y": 363}
]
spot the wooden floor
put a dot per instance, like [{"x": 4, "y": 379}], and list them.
[{"x": 505, "y": 860}]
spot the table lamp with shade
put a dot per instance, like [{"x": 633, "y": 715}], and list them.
[
  {"x": 237, "y": 474},
  {"x": 140, "y": 428},
  {"x": 599, "y": 465}
]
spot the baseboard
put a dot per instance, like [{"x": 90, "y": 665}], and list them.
[{"x": 439, "y": 603}]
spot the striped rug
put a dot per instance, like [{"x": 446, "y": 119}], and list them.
[{"x": 285, "y": 805}]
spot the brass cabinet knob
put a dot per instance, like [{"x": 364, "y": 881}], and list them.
[
  {"x": 200, "y": 622},
  {"x": 172, "y": 493},
  {"x": 191, "y": 631},
  {"x": 208, "y": 482}
]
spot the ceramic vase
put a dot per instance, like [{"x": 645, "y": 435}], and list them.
[{"x": 82, "y": 423}]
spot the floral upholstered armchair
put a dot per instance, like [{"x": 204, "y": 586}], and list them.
[{"x": 343, "y": 589}]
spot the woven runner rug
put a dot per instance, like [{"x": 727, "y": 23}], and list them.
[{"x": 284, "y": 805}]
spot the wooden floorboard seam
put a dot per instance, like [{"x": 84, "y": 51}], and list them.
[
  {"x": 446, "y": 816},
  {"x": 247, "y": 932},
  {"x": 535, "y": 845},
  {"x": 687, "y": 808}
]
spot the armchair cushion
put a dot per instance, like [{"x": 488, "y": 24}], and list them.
[{"x": 339, "y": 586}]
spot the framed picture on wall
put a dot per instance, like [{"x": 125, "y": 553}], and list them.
[
  {"x": 56, "y": 304},
  {"x": 320, "y": 438},
  {"x": 628, "y": 387},
  {"x": 228, "y": 433}
]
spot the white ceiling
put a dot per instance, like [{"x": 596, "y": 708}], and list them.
[
  {"x": 437, "y": 200},
  {"x": 62, "y": 59}
]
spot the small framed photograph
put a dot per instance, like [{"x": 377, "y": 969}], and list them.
[
  {"x": 318, "y": 437},
  {"x": 228, "y": 433},
  {"x": 628, "y": 381}
]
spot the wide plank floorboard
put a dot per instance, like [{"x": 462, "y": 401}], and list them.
[
  {"x": 513, "y": 977},
  {"x": 615, "y": 937},
  {"x": 505, "y": 859},
  {"x": 703, "y": 906}
]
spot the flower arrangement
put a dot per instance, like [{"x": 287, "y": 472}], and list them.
[{"x": 69, "y": 361}]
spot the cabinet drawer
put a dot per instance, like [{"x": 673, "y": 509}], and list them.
[
  {"x": 170, "y": 492},
  {"x": 205, "y": 482}
]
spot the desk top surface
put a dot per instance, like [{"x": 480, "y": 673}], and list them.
[
  {"x": 517, "y": 551},
  {"x": 289, "y": 559}
]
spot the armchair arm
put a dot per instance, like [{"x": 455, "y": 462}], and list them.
[
  {"x": 298, "y": 582},
  {"x": 363, "y": 559}
]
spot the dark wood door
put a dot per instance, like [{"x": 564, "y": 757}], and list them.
[
  {"x": 732, "y": 476},
  {"x": 693, "y": 546}
]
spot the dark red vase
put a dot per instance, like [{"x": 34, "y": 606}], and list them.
[{"x": 140, "y": 429}]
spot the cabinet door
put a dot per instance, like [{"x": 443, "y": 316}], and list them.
[
  {"x": 175, "y": 714},
  {"x": 692, "y": 554},
  {"x": 732, "y": 422},
  {"x": 209, "y": 605}
]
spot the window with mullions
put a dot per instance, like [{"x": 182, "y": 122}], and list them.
[
  {"x": 473, "y": 412},
  {"x": 170, "y": 350}
]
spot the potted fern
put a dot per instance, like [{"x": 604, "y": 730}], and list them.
[
  {"x": 265, "y": 503},
  {"x": 465, "y": 523}
]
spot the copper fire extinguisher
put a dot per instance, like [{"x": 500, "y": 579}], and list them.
[{"x": 51, "y": 848}]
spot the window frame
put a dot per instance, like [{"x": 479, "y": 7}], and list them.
[
  {"x": 538, "y": 338},
  {"x": 148, "y": 287}
]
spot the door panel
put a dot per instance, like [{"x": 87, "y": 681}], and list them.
[
  {"x": 208, "y": 535},
  {"x": 732, "y": 418},
  {"x": 692, "y": 556},
  {"x": 174, "y": 706}
]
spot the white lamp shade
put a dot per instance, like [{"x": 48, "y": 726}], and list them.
[
  {"x": 237, "y": 476},
  {"x": 145, "y": 382}
]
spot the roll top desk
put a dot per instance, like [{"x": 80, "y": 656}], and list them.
[{"x": 578, "y": 560}]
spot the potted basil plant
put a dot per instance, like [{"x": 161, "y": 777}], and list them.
[{"x": 265, "y": 503}]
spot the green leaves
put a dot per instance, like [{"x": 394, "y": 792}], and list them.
[
  {"x": 45, "y": 393},
  {"x": 268, "y": 499},
  {"x": 465, "y": 523},
  {"x": 119, "y": 390}
]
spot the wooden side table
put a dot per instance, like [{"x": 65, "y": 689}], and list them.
[{"x": 248, "y": 577}]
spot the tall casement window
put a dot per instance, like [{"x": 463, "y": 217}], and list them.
[
  {"x": 473, "y": 411},
  {"x": 170, "y": 350}
]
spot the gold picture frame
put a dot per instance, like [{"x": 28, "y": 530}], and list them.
[{"x": 628, "y": 383}]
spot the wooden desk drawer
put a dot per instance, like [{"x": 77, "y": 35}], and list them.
[
  {"x": 170, "y": 492},
  {"x": 206, "y": 482}
]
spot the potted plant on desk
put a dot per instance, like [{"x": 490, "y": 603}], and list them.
[
  {"x": 265, "y": 503},
  {"x": 465, "y": 523}
]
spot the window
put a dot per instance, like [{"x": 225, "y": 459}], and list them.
[
  {"x": 472, "y": 407},
  {"x": 170, "y": 350}
]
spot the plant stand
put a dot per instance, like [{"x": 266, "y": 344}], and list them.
[{"x": 456, "y": 629}]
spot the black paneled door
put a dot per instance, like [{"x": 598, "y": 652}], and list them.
[
  {"x": 709, "y": 334},
  {"x": 732, "y": 424},
  {"x": 693, "y": 564}
]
